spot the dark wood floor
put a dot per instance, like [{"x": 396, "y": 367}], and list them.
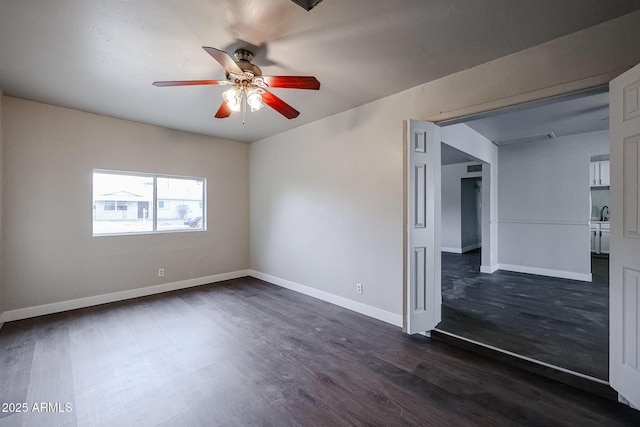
[
  {"x": 557, "y": 321},
  {"x": 245, "y": 352}
]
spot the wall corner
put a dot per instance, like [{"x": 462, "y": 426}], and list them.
[{"x": 1, "y": 192}]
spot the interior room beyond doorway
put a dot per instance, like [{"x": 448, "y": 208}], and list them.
[{"x": 549, "y": 299}]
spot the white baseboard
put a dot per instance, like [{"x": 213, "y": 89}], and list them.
[
  {"x": 471, "y": 247},
  {"x": 451, "y": 250},
  {"x": 57, "y": 307},
  {"x": 460, "y": 250},
  {"x": 489, "y": 269},
  {"x": 585, "y": 277},
  {"x": 367, "y": 310}
]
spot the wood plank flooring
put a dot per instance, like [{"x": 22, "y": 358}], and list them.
[
  {"x": 245, "y": 352},
  {"x": 557, "y": 321}
]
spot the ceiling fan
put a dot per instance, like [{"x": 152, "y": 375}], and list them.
[{"x": 248, "y": 83}]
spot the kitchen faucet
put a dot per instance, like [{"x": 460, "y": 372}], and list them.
[{"x": 604, "y": 213}]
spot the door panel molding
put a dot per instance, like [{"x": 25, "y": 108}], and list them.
[
  {"x": 631, "y": 101},
  {"x": 630, "y": 326},
  {"x": 420, "y": 195},
  {"x": 630, "y": 187},
  {"x": 418, "y": 282}
]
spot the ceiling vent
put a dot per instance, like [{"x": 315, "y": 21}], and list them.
[
  {"x": 474, "y": 168},
  {"x": 307, "y": 4},
  {"x": 533, "y": 138}
]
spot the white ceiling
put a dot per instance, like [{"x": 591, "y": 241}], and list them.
[
  {"x": 451, "y": 156},
  {"x": 101, "y": 56},
  {"x": 541, "y": 120},
  {"x": 570, "y": 115}
]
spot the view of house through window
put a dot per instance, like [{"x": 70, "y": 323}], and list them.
[{"x": 126, "y": 202}]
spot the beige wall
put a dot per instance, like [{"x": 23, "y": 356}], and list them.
[
  {"x": 322, "y": 203},
  {"x": 544, "y": 198},
  {"x": 49, "y": 254},
  {"x": 327, "y": 197},
  {"x": 1, "y": 237}
]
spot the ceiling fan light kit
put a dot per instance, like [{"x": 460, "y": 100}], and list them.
[
  {"x": 248, "y": 85},
  {"x": 240, "y": 91}
]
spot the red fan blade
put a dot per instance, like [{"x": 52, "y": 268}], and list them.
[
  {"x": 279, "y": 105},
  {"x": 188, "y": 83},
  {"x": 224, "y": 111},
  {"x": 292, "y": 82},
  {"x": 224, "y": 59}
]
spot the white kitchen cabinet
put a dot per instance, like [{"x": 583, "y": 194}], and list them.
[
  {"x": 605, "y": 234},
  {"x": 604, "y": 173},
  {"x": 600, "y": 233},
  {"x": 599, "y": 174},
  {"x": 604, "y": 241}
]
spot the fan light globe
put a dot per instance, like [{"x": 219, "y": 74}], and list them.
[
  {"x": 254, "y": 99},
  {"x": 233, "y": 98}
]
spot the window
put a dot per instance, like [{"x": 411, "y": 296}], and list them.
[{"x": 129, "y": 203}]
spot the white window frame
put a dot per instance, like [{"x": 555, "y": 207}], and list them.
[{"x": 155, "y": 177}]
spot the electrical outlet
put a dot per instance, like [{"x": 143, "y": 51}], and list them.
[
  {"x": 161, "y": 272},
  {"x": 359, "y": 288}
]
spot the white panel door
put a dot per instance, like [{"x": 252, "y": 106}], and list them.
[
  {"x": 624, "y": 323},
  {"x": 423, "y": 297}
]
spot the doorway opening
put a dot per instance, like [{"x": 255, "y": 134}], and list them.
[
  {"x": 549, "y": 299},
  {"x": 471, "y": 212}
]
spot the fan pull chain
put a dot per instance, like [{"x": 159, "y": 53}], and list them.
[{"x": 243, "y": 107}]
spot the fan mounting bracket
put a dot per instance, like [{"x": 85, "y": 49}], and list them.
[
  {"x": 243, "y": 60},
  {"x": 243, "y": 55}
]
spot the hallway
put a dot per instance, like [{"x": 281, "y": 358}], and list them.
[{"x": 557, "y": 321}]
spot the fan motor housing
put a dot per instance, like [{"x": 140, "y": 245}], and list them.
[{"x": 244, "y": 57}]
